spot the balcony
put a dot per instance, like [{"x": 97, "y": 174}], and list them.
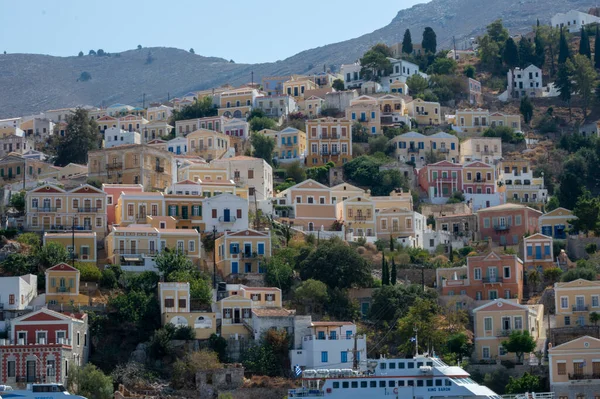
[
  {"x": 501, "y": 227},
  {"x": 114, "y": 165},
  {"x": 138, "y": 251},
  {"x": 581, "y": 376},
  {"x": 423, "y": 113},
  {"x": 487, "y": 152},
  {"x": 579, "y": 308},
  {"x": 63, "y": 289},
  {"x": 324, "y": 152},
  {"x": 492, "y": 280},
  {"x": 444, "y": 150},
  {"x": 479, "y": 181},
  {"x": 504, "y": 332},
  {"x": 335, "y": 152},
  {"x": 253, "y": 255},
  {"x": 455, "y": 283},
  {"x": 159, "y": 169},
  {"x": 87, "y": 210},
  {"x": 412, "y": 149},
  {"x": 360, "y": 218},
  {"x": 44, "y": 209},
  {"x": 329, "y": 136},
  {"x": 230, "y": 219},
  {"x": 57, "y": 227}
]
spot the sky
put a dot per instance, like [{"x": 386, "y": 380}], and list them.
[{"x": 246, "y": 31}]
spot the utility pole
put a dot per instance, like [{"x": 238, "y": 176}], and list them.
[
  {"x": 215, "y": 257},
  {"x": 455, "y": 55},
  {"x": 355, "y": 353},
  {"x": 144, "y": 101},
  {"x": 24, "y": 172},
  {"x": 252, "y": 78},
  {"x": 73, "y": 242}
]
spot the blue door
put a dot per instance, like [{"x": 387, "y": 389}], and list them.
[
  {"x": 538, "y": 252},
  {"x": 234, "y": 268},
  {"x": 547, "y": 230},
  {"x": 226, "y": 215}
]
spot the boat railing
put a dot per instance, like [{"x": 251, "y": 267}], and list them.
[
  {"x": 532, "y": 395},
  {"x": 305, "y": 393}
]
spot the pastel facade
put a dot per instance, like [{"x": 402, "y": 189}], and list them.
[
  {"x": 225, "y": 212},
  {"x": 243, "y": 252},
  {"x": 478, "y": 178},
  {"x": 485, "y": 149},
  {"x": 237, "y": 103},
  {"x": 574, "y": 301},
  {"x": 475, "y": 94},
  {"x": 254, "y": 173},
  {"x": 414, "y": 147},
  {"x": 215, "y": 123},
  {"x": 525, "y": 82},
  {"x": 115, "y": 136},
  {"x": 113, "y": 193},
  {"x": 329, "y": 140},
  {"x": 508, "y": 223},
  {"x": 177, "y": 307},
  {"x": 178, "y": 145},
  {"x": 519, "y": 184},
  {"x": 208, "y": 144},
  {"x": 16, "y": 292},
  {"x": 310, "y": 205},
  {"x": 538, "y": 253},
  {"x": 486, "y": 277},
  {"x": 575, "y": 368},
  {"x": 16, "y": 169},
  {"x": 15, "y": 143},
  {"x": 273, "y": 85},
  {"x": 132, "y": 164},
  {"x": 85, "y": 244},
  {"x": 440, "y": 180},
  {"x": 50, "y": 208},
  {"x": 290, "y": 144},
  {"x": 360, "y": 212},
  {"x": 311, "y": 106},
  {"x": 236, "y": 127},
  {"x": 478, "y": 120},
  {"x": 62, "y": 286},
  {"x": 277, "y": 106},
  {"x": 235, "y": 313},
  {"x": 556, "y": 223},
  {"x": 393, "y": 108},
  {"x": 424, "y": 112},
  {"x": 160, "y": 113},
  {"x": 366, "y": 111},
  {"x": 496, "y": 320},
  {"x": 298, "y": 85}
]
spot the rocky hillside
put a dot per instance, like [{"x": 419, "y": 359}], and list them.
[{"x": 33, "y": 83}]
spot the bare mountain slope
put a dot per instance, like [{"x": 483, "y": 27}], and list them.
[{"x": 31, "y": 83}]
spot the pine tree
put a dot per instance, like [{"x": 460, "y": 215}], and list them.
[
  {"x": 385, "y": 273},
  {"x": 540, "y": 50},
  {"x": 584, "y": 44},
  {"x": 510, "y": 56},
  {"x": 597, "y": 49},
  {"x": 407, "y": 47},
  {"x": 564, "y": 85},
  {"x": 563, "y": 48},
  {"x": 429, "y": 42},
  {"x": 394, "y": 272},
  {"x": 526, "y": 54}
]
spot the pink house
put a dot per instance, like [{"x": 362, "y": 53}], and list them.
[
  {"x": 113, "y": 192},
  {"x": 440, "y": 180},
  {"x": 508, "y": 223}
]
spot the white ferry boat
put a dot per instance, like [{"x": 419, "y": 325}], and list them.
[
  {"x": 37, "y": 391},
  {"x": 421, "y": 377}
]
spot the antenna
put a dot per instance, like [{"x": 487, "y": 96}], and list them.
[
  {"x": 416, "y": 330},
  {"x": 454, "y": 43}
]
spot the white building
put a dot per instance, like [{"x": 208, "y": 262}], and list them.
[
  {"x": 573, "y": 20},
  {"x": 485, "y": 149},
  {"x": 254, "y": 173},
  {"x": 277, "y": 106},
  {"x": 16, "y": 292},
  {"x": 339, "y": 99},
  {"x": 113, "y": 136},
  {"x": 225, "y": 212},
  {"x": 351, "y": 74},
  {"x": 328, "y": 345},
  {"x": 525, "y": 82},
  {"x": 236, "y": 127},
  {"x": 178, "y": 146},
  {"x": 401, "y": 70}
]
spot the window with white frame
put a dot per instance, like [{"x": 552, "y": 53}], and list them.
[
  {"x": 595, "y": 301},
  {"x": 485, "y": 352},
  {"x": 477, "y": 273},
  {"x": 564, "y": 302},
  {"x": 488, "y": 324},
  {"x": 192, "y": 246},
  {"x": 518, "y": 323},
  {"x": 41, "y": 337}
]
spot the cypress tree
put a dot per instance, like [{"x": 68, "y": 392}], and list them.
[
  {"x": 597, "y": 49},
  {"x": 526, "y": 54},
  {"x": 584, "y": 44},
  {"x": 394, "y": 272},
  {"x": 429, "y": 43},
  {"x": 563, "y": 48},
  {"x": 510, "y": 56},
  {"x": 385, "y": 273},
  {"x": 391, "y": 243},
  {"x": 538, "y": 23},
  {"x": 540, "y": 50},
  {"x": 564, "y": 85},
  {"x": 407, "y": 46}
]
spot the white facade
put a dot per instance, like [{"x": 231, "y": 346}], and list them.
[
  {"x": 351, "y": 75},
  {"x": 401, "y": 70},
  {"x": 236, "y": 127},
  {"x": 16, "y": 292},
  {"x": 573, "y": 20},
  {"x": 481, "y": 201},
  {"x": 178, "y": 146},
  {"x": 485, "y": 149},
  {"x": 340, "y": 99},
  {"x": 525, "y": 82},
  {"x": 277, "y": 106},
  {"x": 225, "y": 212},
  {"x": 333, "y": 350},
  {"x": 254, "y": 173},
  {"x": 113, "y": 136}
]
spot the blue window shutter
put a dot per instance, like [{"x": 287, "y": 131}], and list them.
[
  {"x": 546, "y": 249},
  {"x": 261, "y": 249},
  {"x": 372, "y": 115},
  {"x": 283, "y": 140},
  {"x": 373, "y": 129},
  {"x": 434, "y": 144},
  {"x": 231, "y": 248},
  {"x": 295, "y": 139},
  {"x": 353, "y": 116},
  {"x": 452, "y": 146},
  {"x": 529, "y": 250}
]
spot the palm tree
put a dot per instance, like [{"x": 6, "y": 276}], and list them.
[
  {"x": 533, "y": 279},
  {"x": 595, "y": 317}
]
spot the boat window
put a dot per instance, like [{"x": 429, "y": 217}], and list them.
[
  {"x": 354, "y": 384},
  {"x": 447, "y": 382},
  {"x": 410, "y": 383},
  {"x": 438, "y": 383},
  {"x": 345, "y": 384},
  {"x": 336, "y": 384},
  {"x": 419, "y": 364},
  {"x": 401, "y": 365},
  {"x": 363, "y": 384},
  {"x": 382, "y": 366},
  {"x": 391, "y": 384},
  {"x": 419, "y": 383},
  {"x": 392, "y": 365},
  {"x": 401, "y": 383},
  {"x": 429, "y": 383},
  {"x": 381, "y": 384},
  {"x": 411, "y": 365},
  {"x": 430, "y": 364},
  {"x": 373, "y": 384}
]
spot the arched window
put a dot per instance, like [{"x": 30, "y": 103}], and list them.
[{"x": 179, "y": 321}]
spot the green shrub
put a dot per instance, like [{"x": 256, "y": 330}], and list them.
[
  {"x": 30, "y": 239},
  {"x": 591, "y": 248},
  {"x": 88, "y": 272},
  {"x": 108, "y": 279}
]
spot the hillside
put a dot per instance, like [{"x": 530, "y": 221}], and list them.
[{"x": 32, "y": 83}]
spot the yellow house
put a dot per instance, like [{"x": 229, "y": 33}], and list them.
[
  {"x": 366, "y": 111},
  {"x": 485, "y": 149},
  {"x": 243, "y": 252},
  {"x": 160, "y": 113},
  {"x": 500, "y": 119},
  {"x": 495, "y": 320},
  {"x": 204, "y": 171},
  {"x": 51, "y": 208},
  {"x": 358, "y": 213},
  {"x": 477, "y": 120},
  {"x": 262, "y": 297},
  {"x": 556, "y": 223},
  {"x": 399, "y": 87},
  {"x": 208, "y": 144},
  {"x": 424, "y": 112},
  {"x": 85, "y": 244},
  {"x": 179, "y": 308},
  {"x": 290, "y": 144},
  {"x": 575, "y": 300},
  {"x": 329, "y": 140},
  {"x": 133, "y": 207},
  {"x": 395, "y": 222},
  {"x": 575, "y": 368},
  {"x": 297, "y": 85},
  {"x": 237, "y": 103},
  {"x": 62, "y": 286},
  {"x": 186, "y": 209},
  {"x": 310, "y": 204},
  {"x": 311, "y": 106},
  {"x": 135, "y": 247},
  {"x": 236, "y": 317},
  {"x": 14, "y": 168}
]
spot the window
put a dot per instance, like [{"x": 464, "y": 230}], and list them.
[
  {"x": 485, "y": 352},
  {"x": 562, "y": 368},
  {"x": 506, "y": 271},
  {"x": 477, "y": 273},
  {"x": 594, "y": 301},
  {"x": 518, "y": 323},
  {"x": 11, "y": 368},
  {"x": 192, "y": 246},
  {"x": 567, "y": 320},
  {"x": 344, "y": 357},
  {"x": 336, "y": 384},
  {"x": 564, "y": 302},
  {"x": 487, "y": 323},
  {"x": 324, "y": 357}
]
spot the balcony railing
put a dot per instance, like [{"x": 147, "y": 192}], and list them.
[
  {"x": 329, "y": 136},
  {"x": 63, "y": 289},
  {"x": 579, "y": 308},
  {"x": 501, "y": 227},
  {"x": 44, "y": 209},
  {"x": 136, "y": 251},
  {"x": 87, "y": 210},
  {"x": 487, "y": 152},
  {"x": 253, "y": 255},
  {"x": 230, "y": 219},
  {"x": 492, "y": 280},
  {"x": 413, "y": 149},
  {"x": 360, "y": 218},
  {"x": 114, "y": 165},
  {"x": 480, "y": 180},
  {"x": 581, "y": 376},
  {"x": 57, "y": 227},
  {"x": 503, "y": 332},
  {"x": 444, "y": 150},
  {"x": 159, "y": 169}
]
